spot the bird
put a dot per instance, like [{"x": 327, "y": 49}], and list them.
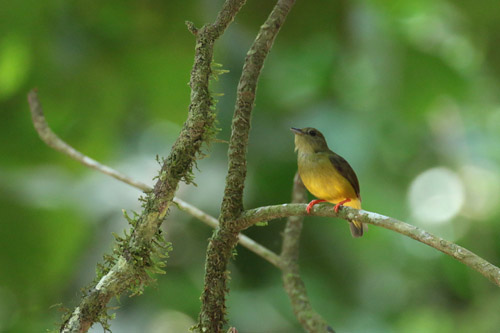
[{"x": 327, "y": 175}]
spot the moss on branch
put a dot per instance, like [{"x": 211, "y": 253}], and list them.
[
  {"x": 212, "y": 315},
  {"x": 128, "y": 268}
]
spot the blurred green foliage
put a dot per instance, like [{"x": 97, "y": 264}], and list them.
[{"x": 398, "y": 88}]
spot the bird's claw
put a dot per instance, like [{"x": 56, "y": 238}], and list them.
[
  {"x": 337, "y": 206},
  {"x": 311, "y": 204}
]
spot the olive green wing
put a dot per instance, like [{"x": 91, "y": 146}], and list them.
[{"x": 345, "y": 170}]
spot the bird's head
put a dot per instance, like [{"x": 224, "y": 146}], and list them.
[{"x": 309, "y": 140}]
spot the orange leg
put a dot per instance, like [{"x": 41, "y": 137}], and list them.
[
  {"x": 311, "y": 204},
  {"x": 337, "y": 206}
]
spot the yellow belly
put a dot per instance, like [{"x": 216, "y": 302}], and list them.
[{"x": 324, "y": 181}]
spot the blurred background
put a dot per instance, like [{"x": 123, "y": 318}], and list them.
[{"x": 407, "y": 91}]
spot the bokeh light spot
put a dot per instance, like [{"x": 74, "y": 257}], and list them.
[
  {"x": 436, "y": 196},
  {"x": 483, "y": 191}
]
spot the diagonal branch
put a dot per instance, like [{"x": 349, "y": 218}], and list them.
[
  {"x": 292, "y": 282},
  {"x": 212, "y": 314},
  {"x": 52, "y": 140},
  {"x": 467, "y": 257}
]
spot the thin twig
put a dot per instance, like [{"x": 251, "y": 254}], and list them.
[
  {"x": 490, "y": 271},
  {"x": 219, "y": 251},
  {"x": 292, "y": 282},
  {"x": 52, "y": 140}
]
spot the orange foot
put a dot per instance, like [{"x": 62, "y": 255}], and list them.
[
  {"x": 311, "y": 204},
  {"x": 337, "y": 206}
]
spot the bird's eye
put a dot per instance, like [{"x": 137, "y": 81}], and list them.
[{"x": 312, "y": 133}]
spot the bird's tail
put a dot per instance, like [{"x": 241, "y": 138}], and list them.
[{"x": 355, "y": 226}]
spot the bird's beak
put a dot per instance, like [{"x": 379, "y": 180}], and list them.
[{"x": 297, "y": 131}]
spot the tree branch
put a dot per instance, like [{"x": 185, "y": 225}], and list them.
[
  {"x": 232, "y": 203},
  {"x": 490, "y": 271},
  {"x": 292, "y": 282},
  {"x": 212, "y": 314},
  {"x": 52, "y": 140},
  {"x": 127, "y": 269}
]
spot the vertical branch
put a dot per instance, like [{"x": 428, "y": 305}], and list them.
[
  {"x": 212, "y": 315},
  {"x": 293, "y": 284},
  {"x": 232, "y": 204},
  {"x": 128, "y": 269}
]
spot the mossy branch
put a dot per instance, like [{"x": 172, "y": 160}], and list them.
[
  {"x": 127, "y": 269},
  {"x": 212, "y": 315},
  {"x": 232, "y": 203}
]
